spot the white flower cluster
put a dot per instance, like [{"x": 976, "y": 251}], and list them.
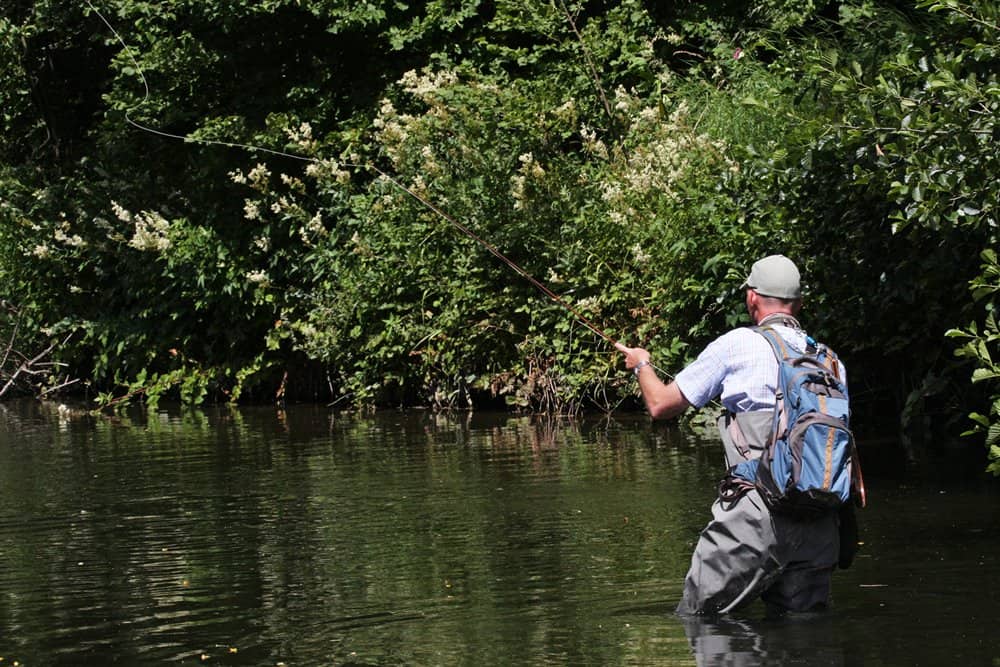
[
  {"x": 391, "y": 128},
  {"x": 150, "y": 229},
  {"x": 626, "y": 100},
  {"x": 312, "y": 229},
  {"x": 302, "y": 137},
  {"x": 530, "y": 170},
  {"x": 282, "y": 204},
  {"x": 424, "y": 85},
  {"x": 430, "y": 163},
  {"x": 621, "y": 217},
  {"x": 419, "y": 187},
  {"x": 517, "y": 191},
  {"x": 322, "y": 169},
  {"x": 75, "y": 240},
  {"x": 656, "y": 167},
  {"x": 640, "y": 255},
  {"x": 61, "y": 235},
  {"x": 151, "y": 232},
  {"x": 259, "y": 177},
  {"x": 258, "y": 278},
  {"x": 592, "y": 143},
  {"x": 530, "y": 166},
  {"x": 566, "y": 112},
  {"x": 251, "y": 209},
  {"x": 293, "y": 183}
]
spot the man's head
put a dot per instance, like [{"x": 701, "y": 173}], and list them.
[
  {"x": 775, "y": 276},
  {"x": 773, "y": 286}
]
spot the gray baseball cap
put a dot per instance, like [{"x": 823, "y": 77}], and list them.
[{"x": 776, "y": 276}]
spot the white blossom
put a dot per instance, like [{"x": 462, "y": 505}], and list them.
[
  {"x": 566, "y": 111},
  {"x": 293, "y": 183},
  {"x": 302, "y": 137},
  {"x": 530, "y": 167},
  {"x": 151, "y": 232},
  {"x": 312, "y": 229},
  {"x": 592, "y": 144},
  {"x": 640, "y": 255},
  {"x": 258, "y": 278},
  {"x": 424, "y": 85},
  {"x": 258, "y": 177},
  {"x": 120, "y": 212},
  {"x": 62, "y": 237},
  {"x": 251, "y": 209}
]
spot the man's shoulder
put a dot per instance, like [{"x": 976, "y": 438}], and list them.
[
  {"x": 738, "y": 341},
  {"x": 740, "y": 335}
]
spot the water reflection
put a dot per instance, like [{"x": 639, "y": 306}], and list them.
[
  {"x": 803, "y": 639},
  {"x": 260, "y": 537}
]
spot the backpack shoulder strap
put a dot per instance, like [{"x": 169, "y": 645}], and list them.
[
  {"x": 829, "y": 359},
  {"x": 780, "y": 420},
  {"x": 777, "y": 342}
]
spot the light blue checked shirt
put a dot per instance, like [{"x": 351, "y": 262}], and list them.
[{"x": 740, "y": 368}]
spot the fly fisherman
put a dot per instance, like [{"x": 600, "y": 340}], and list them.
[{"x": 745, "y": 552}]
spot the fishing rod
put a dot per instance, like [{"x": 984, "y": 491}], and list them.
[{"x": 492, "y": 249}]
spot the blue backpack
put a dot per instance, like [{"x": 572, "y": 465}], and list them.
[{"x": 810, "y": 457}]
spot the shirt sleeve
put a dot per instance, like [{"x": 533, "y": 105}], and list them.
[{"x": 701, "y": 380}]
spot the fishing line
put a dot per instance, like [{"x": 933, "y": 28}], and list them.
[
  {"x": 464, "y": 229},
  {"x": 430, "y": 205},
  {"x": 181, "y": 137}
]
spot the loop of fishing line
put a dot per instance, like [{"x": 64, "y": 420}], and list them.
[{"x": 304, "y": 158}]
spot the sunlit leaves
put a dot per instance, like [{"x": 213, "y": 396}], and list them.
[{"x": 634, "y": 156}]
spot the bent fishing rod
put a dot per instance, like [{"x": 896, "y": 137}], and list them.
[{"x": 493, "y": 250}]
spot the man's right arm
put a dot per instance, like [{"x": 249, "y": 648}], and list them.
[{"x": 664, "y": 401}]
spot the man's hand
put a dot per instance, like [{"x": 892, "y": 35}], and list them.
[
  {"x": 664, "y": 401},
  {"x": 633, "y": 355}
]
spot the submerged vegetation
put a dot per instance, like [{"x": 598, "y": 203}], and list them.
[{"x": 634, "y": 157}]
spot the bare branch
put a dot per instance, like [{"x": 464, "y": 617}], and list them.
[
  {"x": 590, "y": 63},
  {"x": 30, "y": 370},
  {"x": 58, "y": 387}
]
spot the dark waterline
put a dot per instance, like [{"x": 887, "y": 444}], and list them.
[{"x": 300, "y": 537}]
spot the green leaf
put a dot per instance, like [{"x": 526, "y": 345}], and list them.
[
  {"x": 982, "y": 374},
  {"x": 982, "y": 420}
]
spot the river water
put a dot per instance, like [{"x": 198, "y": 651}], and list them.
[{"x": 303, "y": 537}]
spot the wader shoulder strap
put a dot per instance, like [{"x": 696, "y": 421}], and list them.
[{"x": 744, "y": 434}]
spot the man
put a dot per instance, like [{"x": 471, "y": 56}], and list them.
[{"x": 745, "y": 552}]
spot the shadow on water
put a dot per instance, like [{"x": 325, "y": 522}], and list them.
[{"x": 264, "y": 537}]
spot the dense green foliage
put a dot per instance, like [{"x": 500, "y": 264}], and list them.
[{"x": 633, "y": 156}]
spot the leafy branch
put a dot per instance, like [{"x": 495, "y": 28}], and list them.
[{"x": 981, "y": 346}]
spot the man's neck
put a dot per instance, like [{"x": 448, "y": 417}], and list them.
[{"x": 781, "y": 317}]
